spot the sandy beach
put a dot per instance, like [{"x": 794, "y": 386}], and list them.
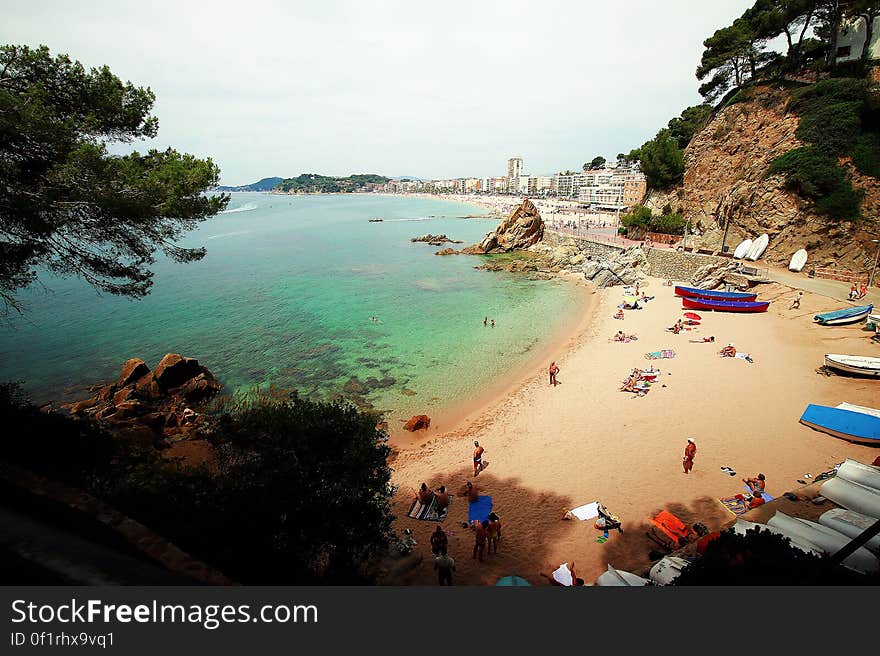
[{"x": 554, "y": 448}]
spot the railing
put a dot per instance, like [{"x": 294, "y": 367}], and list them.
[{"x": 843, "y": 275}]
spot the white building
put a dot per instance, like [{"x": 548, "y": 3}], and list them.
[
  {"x": 514, "y": 171},
  {"x": 851, "y": 39}
]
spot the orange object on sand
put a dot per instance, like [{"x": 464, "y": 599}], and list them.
[
  {"x": 672, "y": 527},
  {"x": 704, "y": 541}
]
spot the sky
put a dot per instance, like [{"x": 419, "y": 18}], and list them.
[{"x": 426, "y": 89}]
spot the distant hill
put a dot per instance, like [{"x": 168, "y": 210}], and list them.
[
  {"x": 408, "y": 177},
  {"x": 266, "y": 184},
  {"x": 310, "y": 183}
]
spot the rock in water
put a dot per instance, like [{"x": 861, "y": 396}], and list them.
[
  {"x": 418, "y": 422},
  {"x": 523, "y": 228},
  {"x": 132, "y": 370},
  {"x": 174, "y": 370}
]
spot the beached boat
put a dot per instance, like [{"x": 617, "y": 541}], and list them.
[
  {"x": 798, "y": 260},
  {"x": 825, "y": 539},
  {"x": 845, "y": 424},
  {"x": 724, "y": 306},
  {"x": 693, "y": 292},
  {"x": 844, "y": 316},
  {"x": 852, "y": 496},
  {"x": 860, "y": 365},
  {"x": 851, "y": 524},
  {"x": 758, "y": 247},
  {"x": 859, "y": 408},
  {"x": 744, "y": 247}
]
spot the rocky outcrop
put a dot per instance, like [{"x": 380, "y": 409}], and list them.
[
  {"x": 522, "y": 229},
  {"x": 626, "y": 268},
  {"x": 159, "y": 403},
  {"x": 435, "y": 240},
  {"x": 726, "y": 184},
  {"x": 418, "y": 422},
  {"x": 446, "y": 251}
]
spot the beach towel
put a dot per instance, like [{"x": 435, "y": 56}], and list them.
[
  {"x": 587, "y": 511},
  {"x": 428, "y": 511},
  {"x": 665, "y": 354},
  {"x": 563, "y": 575},
  {"x": 767, "y": 496},
  {"x": 479, "y": 510},
  {"x": 672, "y": 527},
  {"x": 735, "y": 505},
  {"x": 743, "y": 356}
]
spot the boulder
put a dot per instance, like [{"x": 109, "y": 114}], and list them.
[
  {"x": 132, "y": 370},
  {"x": 80, "y": 407},
  {"x": 522, "y": 229},
  {"x": 200, "y": 388},
  {"x": 354, "y": 386},
  {"x": 123, "y": 395},
  {"x": 418, "y": 422},
  {"x": 446, "y": 251},
  {"x": 174, "y": 370},
  {"x": 147, "y": 387}
]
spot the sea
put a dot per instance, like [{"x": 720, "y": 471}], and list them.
[{"x": 286, "y": 297}]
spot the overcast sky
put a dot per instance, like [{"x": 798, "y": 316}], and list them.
[{"x": 430, "y": 89}]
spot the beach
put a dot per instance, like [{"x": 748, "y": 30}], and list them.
[{"x": 554, "y": 448}]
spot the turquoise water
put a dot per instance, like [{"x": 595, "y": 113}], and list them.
[{"x": 284, "y": 297}]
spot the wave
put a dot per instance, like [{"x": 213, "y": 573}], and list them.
[
  {"x": 421, "y": 218},
  {"x": 227, "y": 234},
  {"x": 243, "y": 208}
]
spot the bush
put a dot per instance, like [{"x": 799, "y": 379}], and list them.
[
  {"x": 815, "y": 174},
  {"x": 639, "y": 217},
  {"x": 834, "y": 128},
  {"x": 662, "y": 161},
  {"x": 640, "y": 220},
  {"x": 866, "y": 155},
  {"x": 300, "y": 494}
]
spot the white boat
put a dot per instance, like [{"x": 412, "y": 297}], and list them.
[
  {"x": 852, "y": 496},
  {"x": 667, "y": 570},
  {"x": 859, "y": 408},
  {"x": 620, "y": 578},
  {"x": 858, "y": 472},
  {"x": 851, "y": 524},
  {"x": 743, "y": 249},
  {"x": 826, "y": 539},
  {"x": 861, "y": 365},
  {"x": 758, "y": 247},
  {"x": 742, "y": 525},
  {"x": 798, "y": 261}
]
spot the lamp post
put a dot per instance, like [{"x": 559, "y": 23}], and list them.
[{"x": 876, "y": 257}]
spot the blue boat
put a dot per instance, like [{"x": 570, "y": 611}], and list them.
[
  {"x": 845, "y": 424},
  {"x": 846, "y": 315},
  {"x": 693, "y": 292}
]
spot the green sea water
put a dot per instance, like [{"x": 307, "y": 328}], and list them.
[{"x": 285, "y": 297}]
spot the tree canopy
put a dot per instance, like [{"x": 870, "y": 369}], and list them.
[{"x": 68, "y": 204}]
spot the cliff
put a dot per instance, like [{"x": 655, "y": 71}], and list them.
[{"x": 725, "y": 179}]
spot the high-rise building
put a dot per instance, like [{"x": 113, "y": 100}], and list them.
[{"x": 514, "y": 171}]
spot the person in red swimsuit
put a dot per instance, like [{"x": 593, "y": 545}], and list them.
[
  {"x": 553, "y": 371},
  {"x": 689, "y": 452}
]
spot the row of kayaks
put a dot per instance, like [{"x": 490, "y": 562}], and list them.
[
  {"x": 751, "y": 250},
  {"x": 708, "y": 299}
]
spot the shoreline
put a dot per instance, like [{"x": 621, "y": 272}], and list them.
[
  {"x": 462, "y": 416},
  {"x": 553, "y": 449}
]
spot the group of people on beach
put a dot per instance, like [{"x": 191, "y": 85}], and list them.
[{"x": 855, "y": 293}]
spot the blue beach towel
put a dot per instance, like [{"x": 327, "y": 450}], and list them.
[
  {"x": 479, "y": 509},
  {"x": 767, "y": 496}
]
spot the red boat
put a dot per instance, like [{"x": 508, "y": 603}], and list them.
[
  {"x": 725, "y": 306},
  {"x": 693, "y": 292}
]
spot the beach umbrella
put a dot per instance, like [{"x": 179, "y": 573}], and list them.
[
  {"x": 693, "y": 315},
  {"x": 513, "y": 582}
]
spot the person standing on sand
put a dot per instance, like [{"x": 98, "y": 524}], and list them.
[
  {"x": 445, "y": 566},
  {"x": 480, "y": 535},
  {"x": 689, "y": 452},
  {"x": 478, "y": 458},
  {"x": 796, "y": 303},
  {"x": 553, "y": 371},
  {"x": 439, "y": 541}
]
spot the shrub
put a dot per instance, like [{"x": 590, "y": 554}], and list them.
[
  {"x": 866, "y": 155},
  {"x": 816, "y": 175},
  {"x": 835, "y": 128}
]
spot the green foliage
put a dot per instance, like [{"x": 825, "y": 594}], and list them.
[
  {"x": 597, "y": 162},
  {"x": 662, "y": 161},
  {"x": 70, "y": 206},
  {"x": 312, "y": 183},
  {"x": 815, "y": 174},
  {"x": 640, "y": 219},
  {"x": 761, "y": 557},
  {"x": 833, "y": 128},
  {"x": 692, "y": 120},
  {"x": 300, "y": 494},
  {"x": 866, "y": 154}
]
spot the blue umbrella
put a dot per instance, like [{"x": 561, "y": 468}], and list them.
[{"x": 512, "y": 581}]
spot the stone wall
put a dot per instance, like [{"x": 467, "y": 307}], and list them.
[
  {"x": 591, "y": 249},
  {"x": 663, "y": 263},
  {"x": 678, "y": 265}
]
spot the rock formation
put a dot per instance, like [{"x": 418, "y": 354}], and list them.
[
  {"x": 152, "y": 405},
  {"x": 522, "y": 229},
  {"x": 418, "y": 422},
  {"x": 435, "y": 240},
  {"x": 726, "y": 180},
  {"x": 627, "y": 268}
]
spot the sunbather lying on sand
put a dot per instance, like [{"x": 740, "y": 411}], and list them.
[
  {"x": 705, "y": 340},
  {"x": 621, "y": 337},
  {"x": 618, "y": 314},
  {"x": 728, "y": 351}
]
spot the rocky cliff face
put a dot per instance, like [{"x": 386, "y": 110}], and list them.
[
  {"x": 523, "y": 228},
  {"x": 726, "y": 179}
]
